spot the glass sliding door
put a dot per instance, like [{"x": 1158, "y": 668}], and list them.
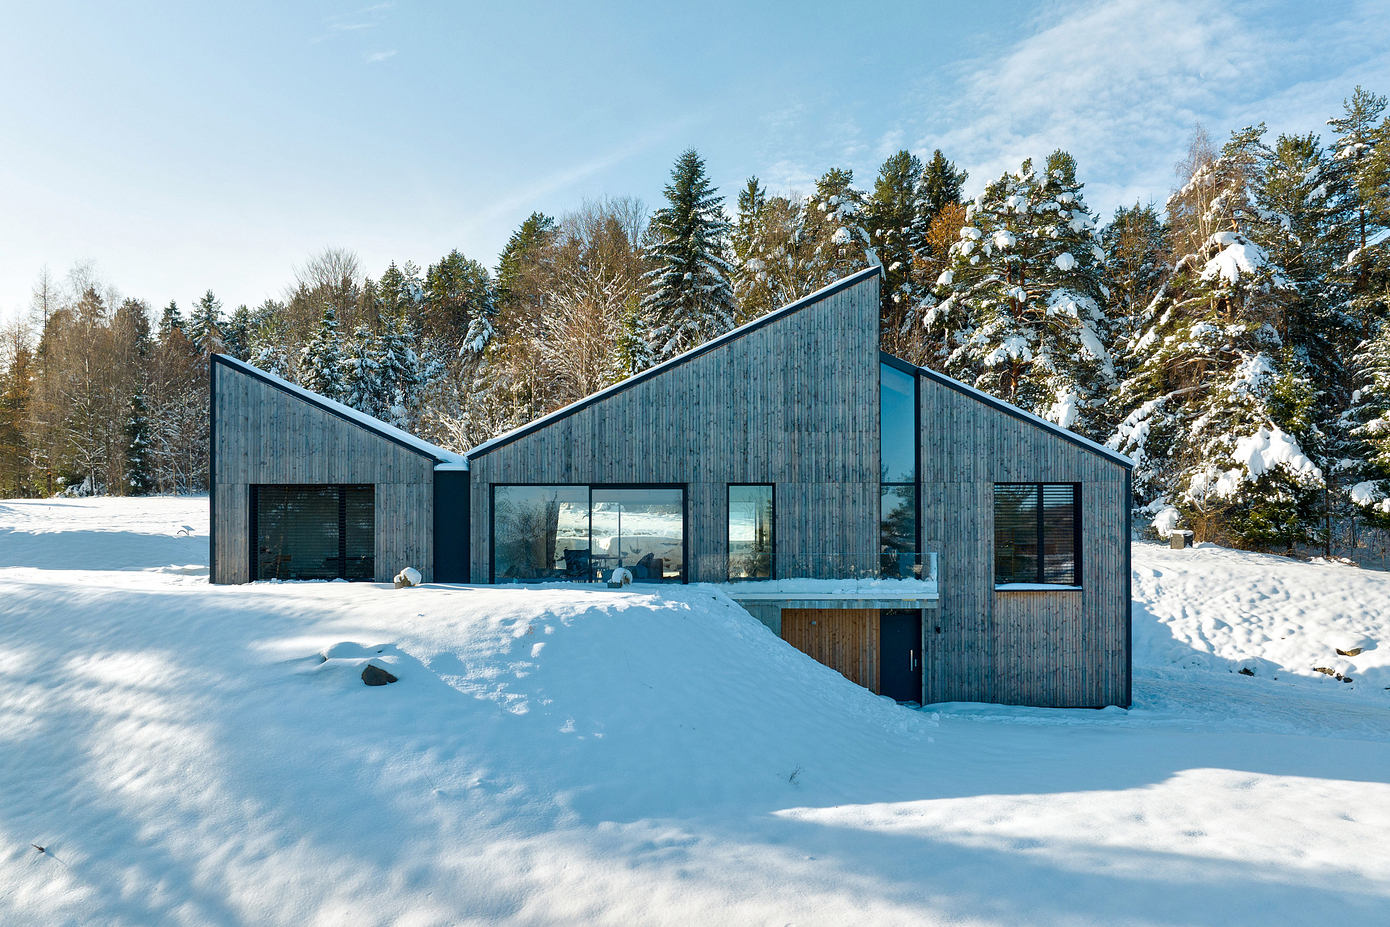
[
  {"x": 540, "y": 533},
  {"x": 581, "y": 533},
  {"x": 750, "y": 531},
  {"x": 640, "y": 529}
]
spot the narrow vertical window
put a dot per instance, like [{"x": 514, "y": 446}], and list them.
[
  {"x": 898, "y": 433},
  {"x": 750, "y": 531},
  {"x": 1037, "y": 530}
]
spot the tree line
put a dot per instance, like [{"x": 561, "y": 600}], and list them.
[{"x": 1234, "y": 341}]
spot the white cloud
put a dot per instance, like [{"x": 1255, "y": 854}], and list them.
[
  {"x": 374, "y": 57},
  {"x": 1121, "y": 83}
]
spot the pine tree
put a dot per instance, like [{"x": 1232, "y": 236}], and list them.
[
  {"x": 1220, "y": 409},
  {"x": 835, "y": 224},
  {"x": 753, "y": 287},
  {"x": 205, "y": 327},
  {"x": 1020, "y": 305},
  {"x": 365, "y": 389},
  {"x": 518, "y": 274},
  {"x": 403, "y": 376},
  {"x": 321, "y": 364},
  {"x": 896, "y": 221},
  {"x": 16, "y": 391},
  {"x": 689, "y": 297},
  {"x": 1137, "y": 257},
  {"x": 1358, "y": 185}
]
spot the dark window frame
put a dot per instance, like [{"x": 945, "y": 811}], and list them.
[
  {"x": 728, "y": 555},
  {"x": 590, "y": 487},
  {"x": 1041, "y": 537},
  {"x": 888, "y": 360},
  {"x": 253, "y": 541}
]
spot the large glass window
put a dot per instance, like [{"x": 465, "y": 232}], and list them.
[
  {"x": 750, "y": 531},
  {"x": 314, "y": 532},
  {"x": 897, "y": 412},
  {"x": 640, "y": 529},
  {"x": 540, "y": 532},
  {"x": 897, "y": 530},
  {"x": 1037, "y": 531},
  {"x": 581, "y": 533}
]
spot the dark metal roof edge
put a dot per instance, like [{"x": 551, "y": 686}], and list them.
[
  {"x": 1065, "y": 434},
  {"x": 552, "y": 418},
  {"x": 321, "y": 402}
]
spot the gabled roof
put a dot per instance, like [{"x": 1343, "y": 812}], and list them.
[
  {"x": 999, "y": 404},
  {"x": 712, "y": 345},
  {"x": 375, "y": 425}
]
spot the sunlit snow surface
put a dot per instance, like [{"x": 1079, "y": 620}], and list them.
[{"x": 190, "y": 754}]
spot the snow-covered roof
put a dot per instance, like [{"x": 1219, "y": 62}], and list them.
[
  {"x": 1015, "y": 411},
  {"x": 348, "y": 412},
  {"x": 544, "y": 420}
]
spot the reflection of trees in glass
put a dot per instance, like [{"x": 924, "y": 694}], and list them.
[
  {"x": 534, "y": 525},
  {"x": 897, "y": 530},
  {"x": 750, "y": 532}
]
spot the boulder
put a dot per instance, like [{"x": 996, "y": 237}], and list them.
[
  {"x": 374, "y": 675},
  {"x": 407, "y": 577}
]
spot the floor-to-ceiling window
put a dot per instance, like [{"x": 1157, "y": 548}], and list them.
[
  {"x": 751, "y": 531},
  {"x": 898, "y": 555},
  {"x": 582, "y": 533}
]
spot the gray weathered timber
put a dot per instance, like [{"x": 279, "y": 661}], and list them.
[
  {"x": 792, "y": 400},
  {"x": 1058, "y": 647},
  {"x": 267, "y": 435}
]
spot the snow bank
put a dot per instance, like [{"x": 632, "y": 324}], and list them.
[{"x": 209, "y": 755}]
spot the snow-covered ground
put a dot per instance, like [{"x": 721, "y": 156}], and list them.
[{"x": 190, "y": 754}]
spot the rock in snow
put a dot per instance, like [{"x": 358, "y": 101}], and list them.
[
  {"x": 408, "y": 577},
  {"x": 374, "y": 675}
]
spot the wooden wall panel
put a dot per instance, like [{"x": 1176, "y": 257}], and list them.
[
  {"x": 793, "y": 402},
  {"x": 266, "y": 436},
  {"x": 844, "y": 639},
  {"x": 1059, "y": 648}
]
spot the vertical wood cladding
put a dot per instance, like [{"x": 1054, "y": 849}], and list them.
[
  {"x": 793, "y": 401},
  {"x": 265, "y": 435},
  {"x": 844, "y": 639},
  {"x": 1061, "y": 648}
]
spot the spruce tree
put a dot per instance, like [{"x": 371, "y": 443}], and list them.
[
  {"x": 365, "y": 390},
  {"x": 321, "y": 364},
  {"x": 1368, "y": 419},
  {"x": 402, "y": 374},
  {"x": 518, "y": 274},
  {"x": 458, "y": 302},
  {"x": 754, "y": 230},
  {"x": 236, "y": 334},
  {"x": 205, "y": 327},
  {"x": 16, "y": 402},
  {"x": 632, "y": 349},
  {"x": 139, "y": 474},
  {"x": 835, "y": 224},
  {"x": 1020, "y": 306},
  {"x": 942, "y": 185},
  {"x": 689, "y": 297},
  {"x": 169, "y": 322}
]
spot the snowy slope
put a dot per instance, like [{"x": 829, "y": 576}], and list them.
[{"x": 196, "y": 754}]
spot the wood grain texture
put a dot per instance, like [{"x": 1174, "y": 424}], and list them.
[
  {"x": 844, "y": 639},
  {"x": 268, "y": 436},
  {"x": 794, "y": 403},
  {"x": 1054, "y": 648}
]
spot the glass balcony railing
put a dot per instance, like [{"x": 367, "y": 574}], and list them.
[{"x": 886, "y": 565}]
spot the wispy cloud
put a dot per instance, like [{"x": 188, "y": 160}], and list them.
[
  {"x": 360, "y": 20},
  {"x": 1121, "y": 83},
  {"x": 376, "y": 56}
]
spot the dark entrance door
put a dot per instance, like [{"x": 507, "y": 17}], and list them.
[{"x": 900, "y": 655}]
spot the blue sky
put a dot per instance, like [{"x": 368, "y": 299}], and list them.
[{"x": 187, "y": 146}]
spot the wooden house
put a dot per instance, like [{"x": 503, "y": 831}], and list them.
[{"x": 927, "y": 540}]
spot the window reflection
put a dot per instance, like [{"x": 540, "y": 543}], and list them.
[
  {"x": 897, "y": 411},
  {"x": 750, "y": 532}
]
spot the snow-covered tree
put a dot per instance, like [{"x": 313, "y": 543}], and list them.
[
  {"x": 834, "y": 220},
  {"x": 942, "y": 185},
  {"x": 170, "y": 321},
  {"x": 458, "y": 303},
  {"x": 1137, "y": 259},
  {"x": 896, "y": 222},
  {"x": 689, "y": 296},
  {"x": 321, "y": 365},
  {"x": 753, "y": 286},
  {"x": 1219, "y": 408},
  {"x": 1020, "y": 305},
  {"x": 365, "y": 390},
  {"x": 139, "y": 475},
  {"x": 205, "y": 327},
  {"x": 1368, "y": 421}
]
